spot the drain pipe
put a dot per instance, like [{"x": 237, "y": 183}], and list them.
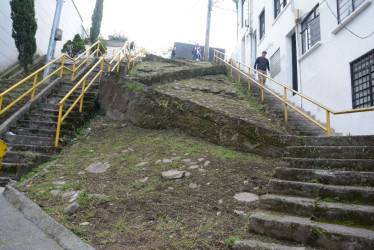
[{"x": 52, "y": 39}]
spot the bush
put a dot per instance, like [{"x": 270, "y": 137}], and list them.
[
  {"x": 118, "y": 37},
  {"x": 75, "y": 47}
]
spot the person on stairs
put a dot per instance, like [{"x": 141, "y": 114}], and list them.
[{"x": 262, "y": 66}]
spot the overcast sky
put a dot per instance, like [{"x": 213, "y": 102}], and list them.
[{"x": 157, "y": 24}]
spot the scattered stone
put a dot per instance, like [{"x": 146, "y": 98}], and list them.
[
  {"x": 141, "y": 164},
  {"x": 205, "y": 89},
  {"x": 98, "y": 196},
  {"x": 202, "y": 170},
  {"x": 256, "y": 188},
  {"x": 246, "y": 197},
  {"x": 192, "y": 163},
  {"x": 74, "y": 198},
  {"x": 98, "y": 167},
  {"x": 84, "y": 224},
  {"x": 54, "y": 192},
  {"x": 175, "y": 158},
  {"x": 172, "y": 174},
  {"x": 239, "y": 212},
  {"x": 220, "y": 201},
  {"x": 128, "y": 150},
  {"x": 201, "y": 159},
  {"x": 186, "y": 160},
  {"x": 186, "y": 154},
  {"x": 142, "y": 180},
  {"x": 81, "y": 172},
  {"x": 187, "y": 174},
  {"x": 71, "y": 208},
  {"x": 194, "y": 167},
  {"x": 158, "y": 161},
  {"x": 218, "y": 213},
  {"x": 68, "y": 194},
  {"x": 59, "y": 183},
  {"x": 245, "y": 182},
  {"x": 165, "y": 160},
  {"x": 41, "y": 191},
  {"x": 215, "y": 91},
  {"x": 177, "y": 88},
  {"x": 170, "y": 188},
  {"x": 206, "y": 163},
  {"x": 192, "y": 185}
]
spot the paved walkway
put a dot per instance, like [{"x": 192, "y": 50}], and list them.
[{"x": 18, "y": 233}]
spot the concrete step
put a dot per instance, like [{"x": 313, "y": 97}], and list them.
[
  {"x": 348, "y": 178},
  {"x": 311, "y": 208},
  {"x": 22, "y": 157},
  {"x": 47, "y": 125},
  {"x": 340, "y": 152},
  {"x": 87, "y": 106},
  {"x": 29, "y": 140},
  {"x": 362, "y": 195},
  {"x": 17, "y": 169},
  {"x": 53, "y": 118},
  {"x": 343, "y": 164},
  {"x": 37, "y": 132},
  {"x": 339, "y": 141},
  {"x": 52, "y": 112},
  {"x": 257, "y": 245},
  {"x": 49, "y": 150},
  {"x": 305, "y": 231}
]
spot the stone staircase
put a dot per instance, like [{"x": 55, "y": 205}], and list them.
[
  {"x": 31, "y": 141},
  {"x": 323, "y": 199}
]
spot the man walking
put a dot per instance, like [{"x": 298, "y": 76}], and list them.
[{"x": 262, "y": 65}]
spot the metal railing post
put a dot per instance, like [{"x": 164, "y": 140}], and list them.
[
  {"x": 59, "y": 124},
  {"x": 62, "y": 65},
  {"x": 119, "y": 61},
  {"x": 285, "y": 105},
  {"x": 214, "y": 56},
  {"x": 88, "y": 57},
  {"x": 101, "y": 69},
  {"x": 328, "y": 123},
  {"x": 1, "y": 101},
  {"x": 98, "y": 49},
  {"x": 82, "y": 95},
  {"x": 262, "y": 87},
  {"x": 72, "y": 73},
  {"x": 128, "y": 63},
  {"x": 231, "y": 66},
  {"x": 249, "y": 78},
  {"x": 113, "y": 54},
  {"x": 33, "y": 87},
  {"x": 239, "y": 73}
]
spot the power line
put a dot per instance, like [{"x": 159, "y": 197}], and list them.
[{"x": 350, "y": 31}]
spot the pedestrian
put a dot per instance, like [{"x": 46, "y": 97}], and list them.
[
  {"x": 262, "y": 66},
  {"x": 197, "y": 52},
  {"x": 132, "y": 46},
  {"x": 173, "y": 53}
]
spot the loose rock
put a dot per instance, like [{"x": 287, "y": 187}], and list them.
[
  {"x": 193, "y": 186},
  {"x": 239, "y": 212},
  {"x": 141, "y": 164},
  {"x": 59, "y": 183},
  {"x": 194, "y": 167},
  {"x": 54, "y": 192},
  {"x": 72, "y": 208},
  {"x": 172, "y": 174},
  {"x": 246, "y": 197},
  {"x": 166, "y": 160},
  {"x": 98, "y": 167},
  {"x": 84, "y": 224}
]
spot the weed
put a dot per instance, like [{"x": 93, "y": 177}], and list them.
[
  {"x": 102, "y": 234},
  {"x": 76, "y": 229},
  {"x": 135, "y": 86},
  {"x": 121, "y": 225},
  {"x": 83, "y": 199},
  {"x": 315, "y": 181},
  {"x": 136, "y": 185},
  {"x": 230, "y": 241}
]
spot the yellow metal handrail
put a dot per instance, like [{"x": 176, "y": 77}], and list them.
[{"x": 221, "y": 57}]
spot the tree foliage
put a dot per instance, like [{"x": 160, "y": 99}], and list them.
[
  {"x": 75, "y": 47},
  {"x": 24, "y": 30},
  {"x": 97, "y": 16},
  {"x": 118, "y": 37}
]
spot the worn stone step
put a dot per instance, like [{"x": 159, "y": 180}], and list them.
[
  {"x": 339, "y": 141},
  {"x": 311, "y": 208},
  {"x": 17, "y": 169},
  {"x": 316, "y": 190},
  {"x": 52, "y": 112},
  {"x": 257, "y": 245},
  {"x": 22, "y": 157},
  {"x": 47, "y": 125},
  {"x": 30, "y": 140},
  {"x": 348, "y": 178},
  {"x": 33, "y": 148},
  {"x": 343, "y": 164},
  {"x": 303, "y": 230},
  {"x": 53, "y": 118},
  {"x": 340, "y": 152},
  {"x": 37, "y": 132},
  {"x": 87, "y": 106}
]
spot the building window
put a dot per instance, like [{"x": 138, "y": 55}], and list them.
[
  {"x": 310, "y": 30},
  {"x": 275, "y": 64},
  {"x": 262, "y": 24},
  {"x": 245, "y": 12},
  {"x": 362, "y": 73},
  {"x": 279, "y": 5},
  {"x": 346, "y": 7}
]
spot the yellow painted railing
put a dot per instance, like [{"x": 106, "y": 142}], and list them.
[
  {"x": 220, "y": 57},
  {"x": 127, "y": 55}
]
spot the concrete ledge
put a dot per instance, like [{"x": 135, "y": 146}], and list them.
[{"x": 49, "y": 226}]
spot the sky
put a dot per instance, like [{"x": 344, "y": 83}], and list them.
[{"x": 157, "y": 24}]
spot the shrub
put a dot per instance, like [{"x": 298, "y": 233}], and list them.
[{"x": 75, "y": 47}]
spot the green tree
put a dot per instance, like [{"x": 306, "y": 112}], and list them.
[
  {"x": 23, "y": 30},
  {"x": 118, "y": 37},
  {"x": 97, "y": 16},
  {"x": 75, "y": 47}
]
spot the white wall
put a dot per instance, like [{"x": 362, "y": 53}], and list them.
[
  {"x": 323, "y": 74},
  {"x": 70, "y": 23}
]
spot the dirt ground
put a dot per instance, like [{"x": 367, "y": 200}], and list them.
[{"x": 130, "y": 206}]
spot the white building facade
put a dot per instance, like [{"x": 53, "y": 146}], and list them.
[
  {"x": 324, "y": 49},
  {"x": 70, "y": 24}
]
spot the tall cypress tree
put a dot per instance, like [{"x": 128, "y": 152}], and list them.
[
  {"x": 97, "y": 16},
  {"x": 24, "y": 30}
]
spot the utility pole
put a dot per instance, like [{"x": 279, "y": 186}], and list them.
[
  {"x": 207, "y": 33},
  {"x": 52, "y": 41}
]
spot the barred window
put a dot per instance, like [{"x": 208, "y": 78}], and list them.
[
  {"x": 279, "y": 5},
  {"x": 245, "y": 11},
  {"x": 346, "y": 7},
  {"x": 310, "y": 30},
  {"x": 362, "y": 73},
  {"x": 262, "y": 24},
  {"x": 275, "y": 64}
]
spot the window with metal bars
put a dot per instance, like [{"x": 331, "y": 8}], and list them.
[
  {"x": 245, "y": 12},
  {"x": 279, "y": 5},
  {"x": 310, "y": 30},
  {"x": 262, "y": 24},
  {"x": 346, "y": 7},
  {"x": 362, "y": 74},
  {"x": 275, "y": 64}
]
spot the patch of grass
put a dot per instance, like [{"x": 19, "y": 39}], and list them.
[
  {"x": 83, "y": 199},
  {"x": 102, "y": 234},
  {"x": 32, "y": 173},
  {"x": 230, "y": 241},
  {"x": 69, "y": 186},
  {"x": 137, "y": 185},
  {"x": 121, "y": 225},
  {"x": 315, "y": 181},
  {"x": 135, "y": 86},
  {"x": 76, "y": 229}
]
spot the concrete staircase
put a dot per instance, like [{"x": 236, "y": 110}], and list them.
[
  {"x": 324, "y": 199},
  {"x": 31, "y": 141}
]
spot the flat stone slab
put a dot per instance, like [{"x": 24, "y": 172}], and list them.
[
  {"x": 246, "y": 197},
  {"x": 172, "y": 174},
  {"x": 98, "y": 167}
]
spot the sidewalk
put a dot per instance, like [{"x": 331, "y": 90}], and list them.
[{"x": 17, "y": 232}]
